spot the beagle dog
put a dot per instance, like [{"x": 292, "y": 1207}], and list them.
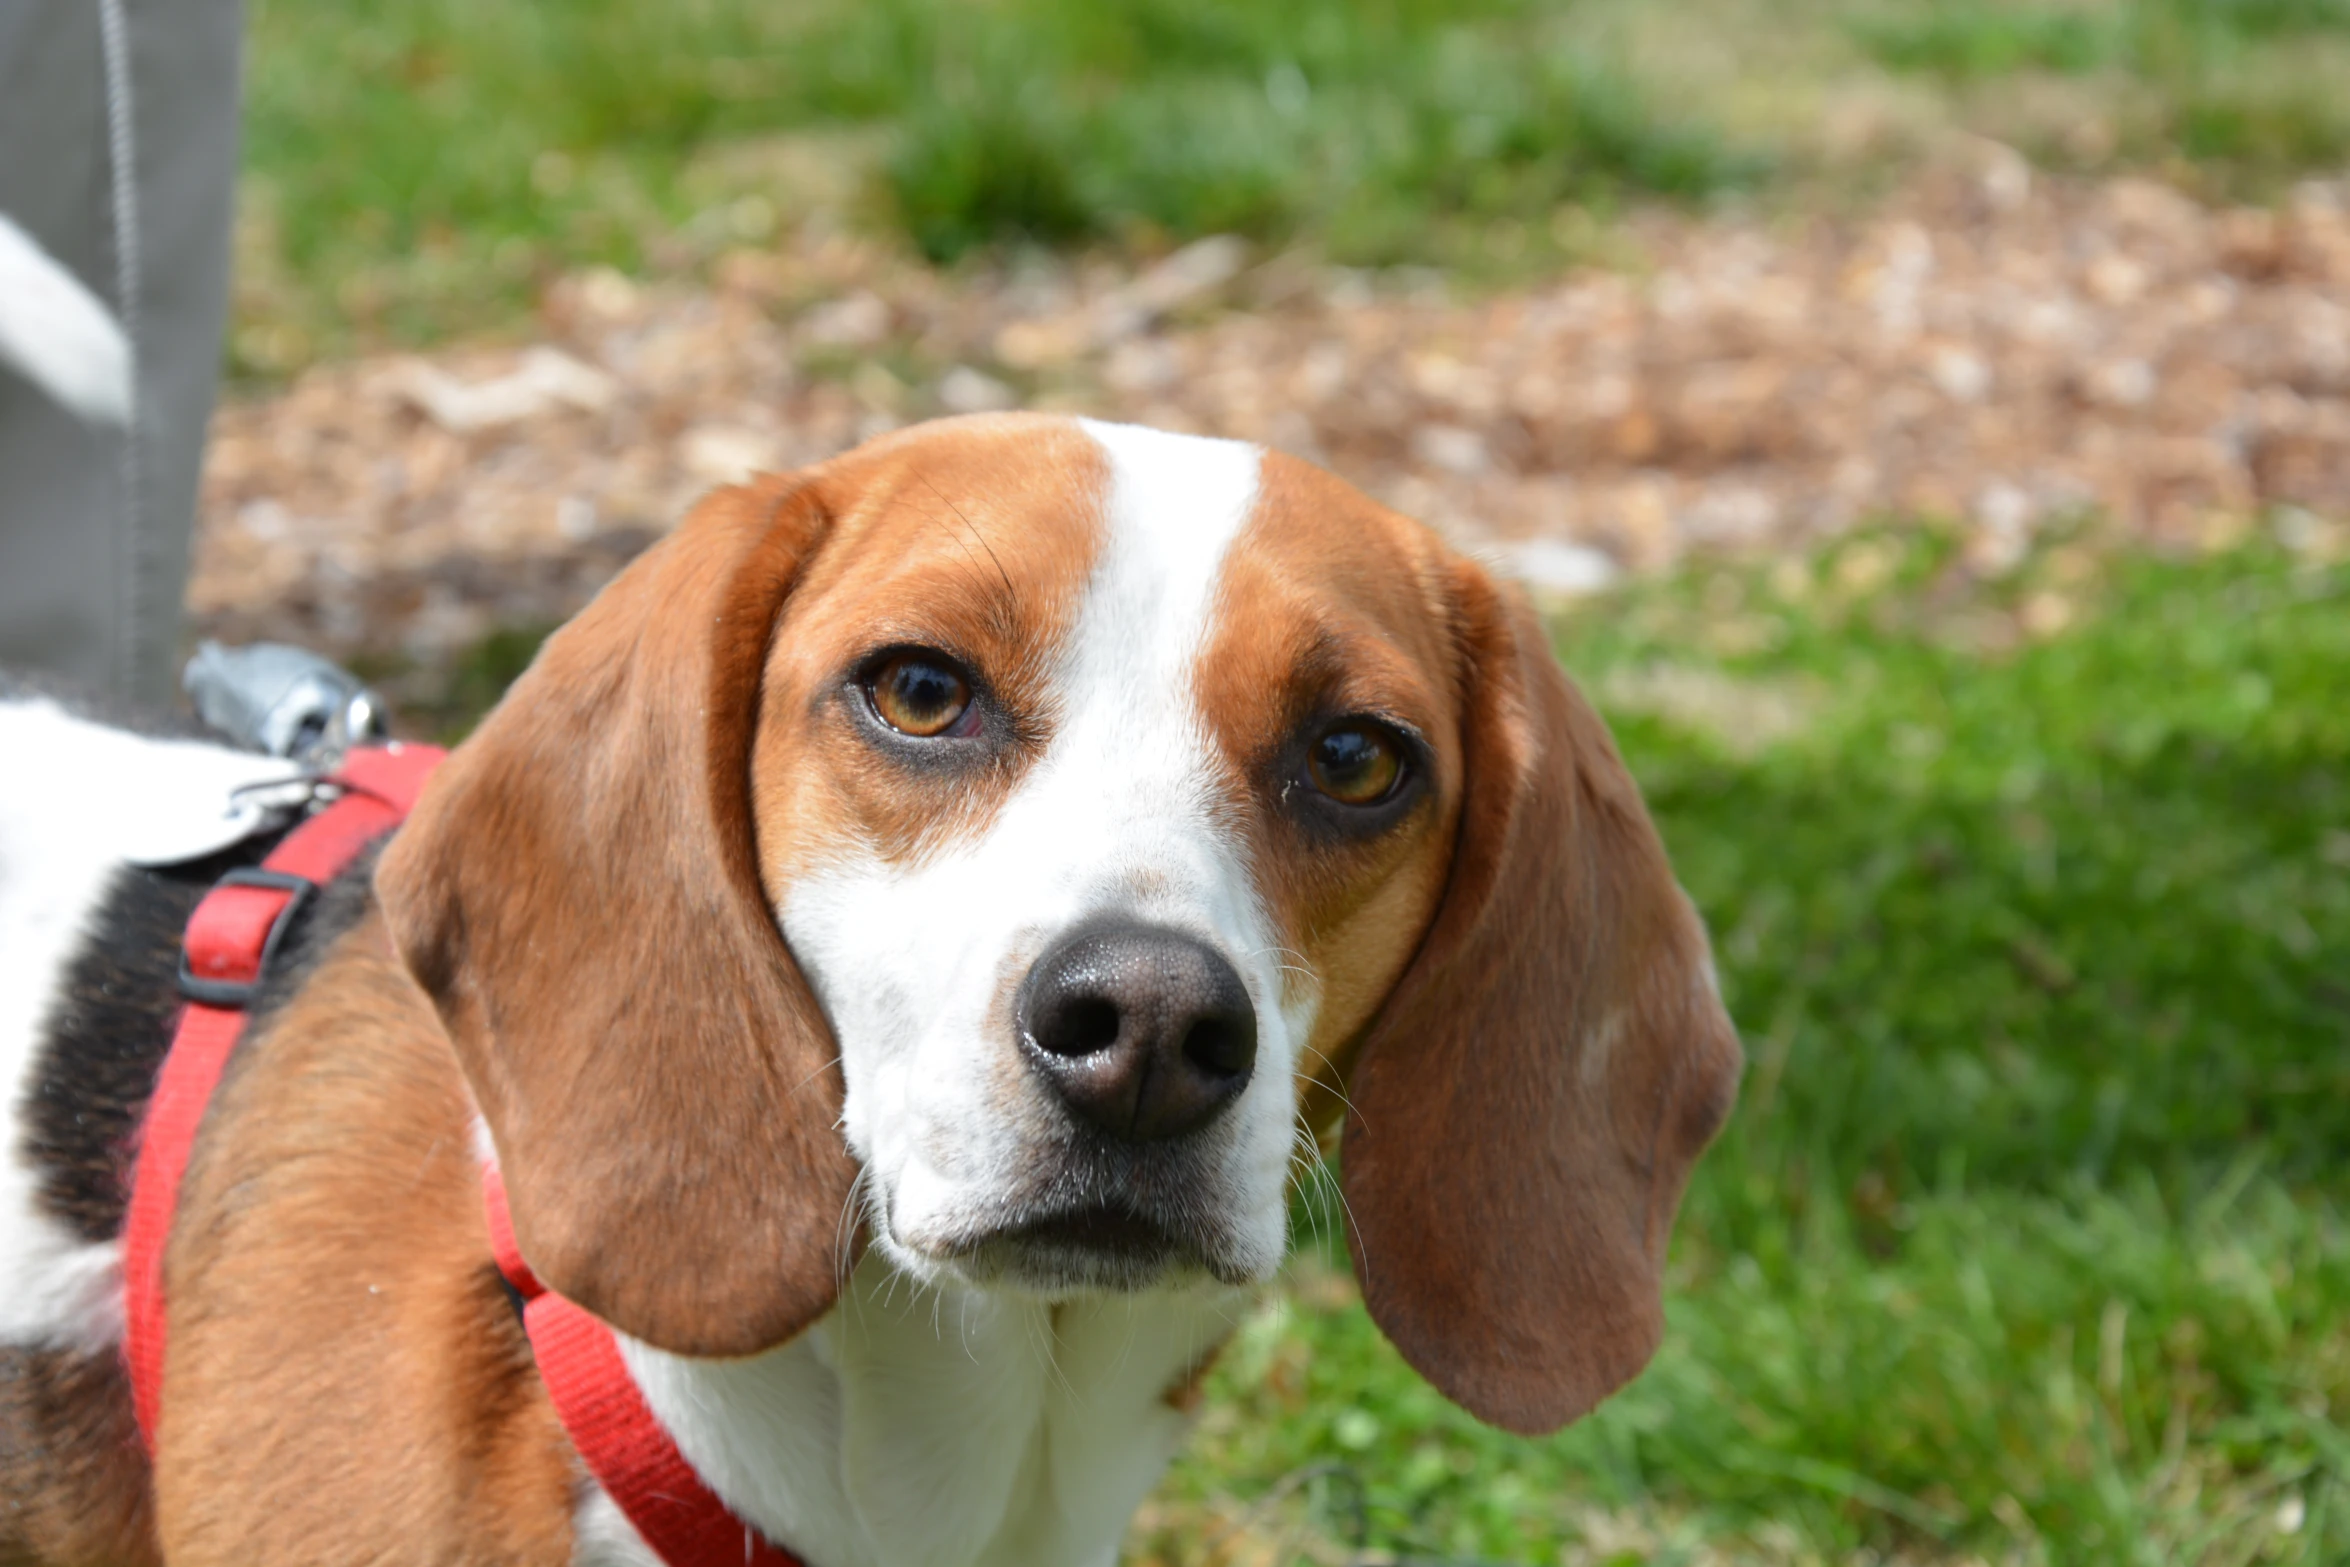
[{"x": 899, "y": 945}]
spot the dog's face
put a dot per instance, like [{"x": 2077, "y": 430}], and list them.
[
  {"x": 1100, "y": 786},
  {"x": 1015, "y": 838}
]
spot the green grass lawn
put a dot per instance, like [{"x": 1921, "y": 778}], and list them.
[
  {"x": 2223, "y": 82},
  {"x": 2029, "y": 1239},
  {"x": 427, "y": 160},
  {"x": 418, "y": 168}
]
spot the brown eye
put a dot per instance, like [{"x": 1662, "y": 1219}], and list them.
[
  {"x": 1355, "y": 764},
  {"x": 920, "y": 695}
]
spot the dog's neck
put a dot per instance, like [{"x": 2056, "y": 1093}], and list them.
[{"x": 938, "y": 1426}]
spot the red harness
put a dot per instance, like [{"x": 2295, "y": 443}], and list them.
[{"x": 231, "y": 937}]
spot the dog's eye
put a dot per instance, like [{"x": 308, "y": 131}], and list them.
[
  {"x": 1356, "y": 763},
  {"x": 919, "y": 694}
]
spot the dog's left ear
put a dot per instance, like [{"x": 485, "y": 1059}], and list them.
[
  {"x": 1525, "y": 1109},
  {"x": 578, "y": 891}
]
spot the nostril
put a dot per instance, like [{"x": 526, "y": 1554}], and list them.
[
  {"x": 1219, "y": 1047},
  {"x": 1085, "y": 1027},
  {"x": 1076, "y": 1026}
]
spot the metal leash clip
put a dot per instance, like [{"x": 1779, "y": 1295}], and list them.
[{"x": 283, "y": 700}]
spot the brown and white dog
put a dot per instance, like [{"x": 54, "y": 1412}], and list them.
[{"x": 899, "y": 943}]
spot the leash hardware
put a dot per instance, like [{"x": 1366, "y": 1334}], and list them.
[{"x": 238, "y": 993}]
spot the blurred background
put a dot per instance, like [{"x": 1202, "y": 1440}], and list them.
[{"x": 1928, "y": 419}]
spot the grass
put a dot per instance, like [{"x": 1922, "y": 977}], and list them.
[
  {"x": 504, "y": 141},
  {"x": 1365, "y": 124},
  {"x": 2225, "y": 83},
  {"x": 2030, "y": 1240},
  {"x": 419, "y": 168}
]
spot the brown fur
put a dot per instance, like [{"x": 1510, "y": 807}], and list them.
[
  {"x": 73, "y": 1486},
  {"x": 992, "y": 576},
  {"x": 578, "y": 892},
  {"x": 1526, "y": 1108},
  {"x": 344, "y": 1379},
  {"x": 1525, "y": 1101},
  {"x": 1331, "y": 604}
]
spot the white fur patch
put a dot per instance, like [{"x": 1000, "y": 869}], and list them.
[
  {"x": 921, "y": 1427},
  {"x": 77, "y": 801},
  {"x": 602, "y": 1536}
]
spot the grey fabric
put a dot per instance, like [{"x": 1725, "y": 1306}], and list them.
[{"x": 94, "y": 523}]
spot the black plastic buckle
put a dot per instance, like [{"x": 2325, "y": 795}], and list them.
[{"x": 238, "y": 993}]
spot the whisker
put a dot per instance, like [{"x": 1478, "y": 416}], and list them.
[
  {"x": 1333, "y": 1086},
  {"x": 844, "y": 1232},
  {"x": 812, "y": 1076}
]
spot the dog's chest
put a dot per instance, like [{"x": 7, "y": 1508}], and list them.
[{"x": 916, "y": 1427}]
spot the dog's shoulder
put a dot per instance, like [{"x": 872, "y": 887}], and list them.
[{"x": 335, "y": 1262}]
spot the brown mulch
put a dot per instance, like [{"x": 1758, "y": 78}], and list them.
[{"x": 1990, "y": 346}]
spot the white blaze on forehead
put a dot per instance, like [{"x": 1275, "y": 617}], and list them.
[
  {"x": 1176, "y": 503},
  {"x": 1132, "y": 735}
]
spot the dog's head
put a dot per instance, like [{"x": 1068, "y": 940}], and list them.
[{"x": 1004, "y": 838}]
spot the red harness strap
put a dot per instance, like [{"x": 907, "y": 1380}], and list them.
[
  {"x": 231, "y": 937},
  {"x": 623, "y": 1445}
]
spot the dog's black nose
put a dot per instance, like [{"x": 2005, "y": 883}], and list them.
[{"x": 1144, "y": 1033}]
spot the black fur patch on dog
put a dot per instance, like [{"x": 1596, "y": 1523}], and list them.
[{"x": 108, "y": 1030}]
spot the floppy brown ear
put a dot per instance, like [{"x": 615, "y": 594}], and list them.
[
  {"x": 1526, "y": 1107},
  {"x": 578, "y": 892}
]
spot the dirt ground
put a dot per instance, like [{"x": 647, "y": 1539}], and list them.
[{"x": 1989, "y": 346}]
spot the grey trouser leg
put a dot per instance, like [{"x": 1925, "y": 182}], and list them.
[{"x": 94, "y": 521}]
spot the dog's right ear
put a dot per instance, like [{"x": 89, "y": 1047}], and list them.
[{"x": 578, "y": 892}]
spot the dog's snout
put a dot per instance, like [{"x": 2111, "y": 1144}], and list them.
[{"x": 1144, "y": 1033}]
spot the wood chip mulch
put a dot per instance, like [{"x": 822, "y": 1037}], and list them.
[{"x": 1990, "y": 347}]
